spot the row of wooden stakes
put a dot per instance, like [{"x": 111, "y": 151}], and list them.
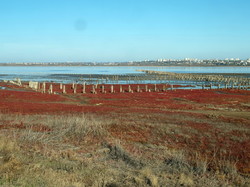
[
  {"x": 103, "y": 90},
  {"x": 122, "y": 88}
]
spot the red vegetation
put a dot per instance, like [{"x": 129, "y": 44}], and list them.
[{"x": 211, "y": 108}]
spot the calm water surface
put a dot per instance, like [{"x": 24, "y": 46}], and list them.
[
  {"x": 45, "y": 73},
  {"x": 116, "y": 70}
]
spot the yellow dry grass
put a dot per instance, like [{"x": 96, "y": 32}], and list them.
[{"x": 79, "y": 150}]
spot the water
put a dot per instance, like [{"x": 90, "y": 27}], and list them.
[
  {"x": 64, "y": 73},
  {"x": 34, "y": 70}
]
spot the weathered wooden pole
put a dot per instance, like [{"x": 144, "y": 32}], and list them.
[
  {"x": 64, "y": 89},
  {"x": 75, "y": 88},
  {"x": 121, "y": 89},
  {"x": 129, "y": 89},
  {"x": 112, "y": 89},
  {"x": 138, "y": 88},
  {"x": 155, "y": 88},
  {"x": 50, "y": 89},
  {"x": 93, "y": 89},
  {"x": 61, "y": 86},
  {"x": 38, "y": 86},
  {"x": 103, "y": 89},
  {"x": 44, "y": 87},
  {"x": 19, "y": 81},
  {"x": 84, "y": 88}
]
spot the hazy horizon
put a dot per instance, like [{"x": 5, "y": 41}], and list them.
[{"x": 124, "y": 30}]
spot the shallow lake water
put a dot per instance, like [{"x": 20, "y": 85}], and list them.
[{"x": 64, "y": 73}]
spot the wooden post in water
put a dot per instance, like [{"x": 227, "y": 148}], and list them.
[
  {"x": 93, "y": 89},
  {"x": 64, "y": 89},
  {"x": 61, "y": 86},
  {"x": 155, "y": 88},
  {"x": 73, "y": 85},
  {"x": 112, "y": 89},
  {"x": 103, "y": 89},
  {"x": 138, "y": 88},
  {"x": 44, "y": 87},
  {"x": 50, "y": 89},
  {"x": 121, "y": 89},
  {"x": 146, "y": 88},
  {"x": 38, "y": 86},
  {"x": 84, "y": 88},
  {"x": 75, "y": 88},
  {"x": 129, "y": 89}
]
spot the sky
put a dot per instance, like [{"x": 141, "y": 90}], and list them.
[{"x": 123, "y": 30}]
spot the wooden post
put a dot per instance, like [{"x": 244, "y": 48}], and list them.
[
  {"x": 38, "y": 86},
  {"x": 75, "y": 88},
  {"x": 103, "y": 89},
  {"x": 50, "y": 89},
  {"x": 44, "y": 87},
  {"x": 61, "y": 86},
  {"x": 112, "y": 89},
  {"x": 93, "y": 89},
  {"x": 64, "y": 89},
  {"x": 19, "y": 81},
  {"x": 146, "y": 88},
  {"x": 129, "y": 88},
  {"x": 84, "y": 88},
  {"x": 155, "y": 88},
  {"x": 138, "y": 88},
  {"x": 121, "y": 89}
]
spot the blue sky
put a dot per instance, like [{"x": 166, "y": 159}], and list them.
[{"x": 123, "y": 30}]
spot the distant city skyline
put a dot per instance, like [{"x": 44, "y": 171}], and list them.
[{"x": 124, "y": 30}]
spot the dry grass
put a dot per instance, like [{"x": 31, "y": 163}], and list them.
[{"x": 79, "y": 150}]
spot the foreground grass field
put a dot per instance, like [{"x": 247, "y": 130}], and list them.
[{"x": 175, "y": 138}]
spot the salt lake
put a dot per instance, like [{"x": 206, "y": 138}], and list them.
[{"x": 49, "y": 73}]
